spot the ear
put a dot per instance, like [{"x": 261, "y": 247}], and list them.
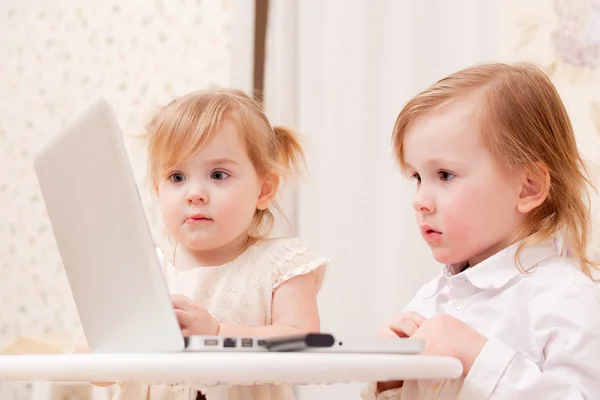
[
  {"x": 268, "y": 190},
  {"x": 535, "y": 187}
]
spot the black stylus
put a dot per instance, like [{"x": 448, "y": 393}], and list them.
[{"x": 299, "y": 342}]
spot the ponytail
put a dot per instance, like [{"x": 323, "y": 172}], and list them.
[{"x": 290, "y": 155}]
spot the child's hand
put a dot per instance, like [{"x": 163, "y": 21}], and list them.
[
  {"x": 445, "y": 335},
  {"x": 193, "y": 318},
  {"x": 401, "y": 325}
]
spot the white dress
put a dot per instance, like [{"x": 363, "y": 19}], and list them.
[{"x": 238, "y": 292}]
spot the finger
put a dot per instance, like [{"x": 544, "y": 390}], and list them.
[
  {"x": 184, "y": 318},
  {"x": 419, "y": 333},
  {"x": 177, "y": 296},
  {"x": 403, "y": 327},
  {"x": 180, "y": 302},
  {"x": 386, "y": 333},
  {"x": 417, "y": 318},
  {"x": 186, "y": 332},
  {"x": 405, "y": 324}
]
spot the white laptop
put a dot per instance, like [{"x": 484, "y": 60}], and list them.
[{"x": 109, "y": 255}]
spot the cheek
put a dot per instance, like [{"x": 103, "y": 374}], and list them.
[
  {"x": 168, "y": 208},
  {"x": 235, "y": 203},
  {"x": 464, "y": 208},
  {"x": 480, "y": 208}
]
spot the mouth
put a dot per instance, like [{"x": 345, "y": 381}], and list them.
[
  {"x": 195, "y": 218},
  {"x": 428, "y": 231}
]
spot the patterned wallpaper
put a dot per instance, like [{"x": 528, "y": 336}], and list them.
[
  {"x": 56, "y": 56},
  {"x": 563, "y": 36}
]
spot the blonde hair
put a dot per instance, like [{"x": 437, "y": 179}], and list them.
[
  {"x": 184, "y": 125},
  {"x": 523, "y": 122}
]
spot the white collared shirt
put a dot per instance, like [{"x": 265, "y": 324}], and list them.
[{"x": 543, "y": 328}]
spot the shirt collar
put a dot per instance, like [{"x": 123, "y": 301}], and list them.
[{"x": 496, "y": 271}]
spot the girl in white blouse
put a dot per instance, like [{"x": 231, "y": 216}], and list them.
[{"x": 498, "y": 178}]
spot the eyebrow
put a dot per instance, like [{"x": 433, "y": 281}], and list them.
[
  {"x": 222, "y": 161},
  {"x": 437, "y": 162}
]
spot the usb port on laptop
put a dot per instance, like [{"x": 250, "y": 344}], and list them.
[{"x": 211, "y": 342}]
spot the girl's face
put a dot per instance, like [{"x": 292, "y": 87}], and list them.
[
  {"x": 466, "y": 202},
  {"x": 209, "y": 200}
]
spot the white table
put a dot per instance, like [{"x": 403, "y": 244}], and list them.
[{"x": 234, "y": 368}]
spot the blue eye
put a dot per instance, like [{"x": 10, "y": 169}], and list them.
[
  {"x": 219, "y": 175},
  {"x": 177, "y": 177}
]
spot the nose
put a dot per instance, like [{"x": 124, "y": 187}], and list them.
[
  {"x": 423, "y": 202},
  {"x": 196, "y": 194}
]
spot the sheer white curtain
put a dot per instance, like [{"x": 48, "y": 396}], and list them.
[{"x": 339, "y": 71}]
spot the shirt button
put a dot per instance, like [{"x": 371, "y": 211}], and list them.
[{"x": 458, "y": 305}]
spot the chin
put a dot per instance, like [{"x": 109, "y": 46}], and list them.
[
  {"x": 200, "y": 245},
  {"x": 446, "y": 256}
]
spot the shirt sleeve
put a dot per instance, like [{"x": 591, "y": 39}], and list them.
[
  {"x": 570, "y": 330},
  {"x": 294, "y": 259}
]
